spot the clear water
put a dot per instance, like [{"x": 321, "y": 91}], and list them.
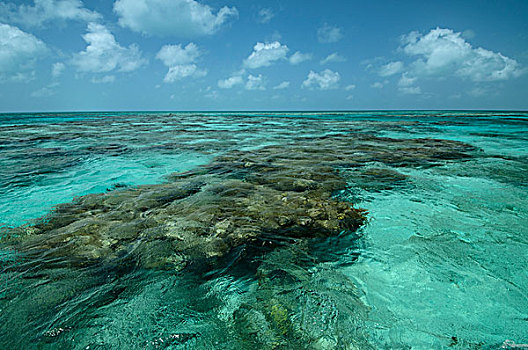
[{"x": 441, "y": 262}]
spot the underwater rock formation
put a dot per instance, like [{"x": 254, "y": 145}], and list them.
[
  {"x": 246, "y": 200},
  {"x": 196, "y": 216},
  {"x": 277, "y": 192},
  {"x": 297, "y": 308}
]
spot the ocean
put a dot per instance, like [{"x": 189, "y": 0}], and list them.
[{"x": 264, "y": 230}]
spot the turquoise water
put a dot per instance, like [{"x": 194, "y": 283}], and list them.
[{"x": 441, "y": 262}]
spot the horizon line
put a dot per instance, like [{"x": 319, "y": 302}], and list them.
[{"x": 264, "y": 111}]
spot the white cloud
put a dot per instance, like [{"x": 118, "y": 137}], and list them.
[
  {"x": 391, "y": 68},
  {"x": 299, "y": 57},
  {"x": 22, "y": 77},
  {"x": 283, "y": 85},
  {"x": 444, "y": 52},
  {"x": 333, "y": 57},
  {"x": 406, "y": 80},
  {"x": 179, "y": 18},
  {"x": 173, "y": 55},
  {"x": 18, "y": 52},
  {"x": 255, "y": 83},
  {"x": 329, "y": 34},
  {"x": 181, "y": 62},
  {"x": 107, "y": 79},
  {"x": 264, "y": 55},
  {"x": 379, "y": 84},
  {"x": 103, "y": 54},
  {"x": 230, "y": 82},
  {"x": 184, "y": 71},
  {"x": 350, "y": 97},
  {"x": 406, "y": 85},
  {"x": 44, "y": 11},
  {"x": 265, "y": 15},
  {"x": 324, "y": 80},
  {"x": 411, "y": 90},
  {"x": 350, "y": 87},
  {"x": 57, "y": 69}
]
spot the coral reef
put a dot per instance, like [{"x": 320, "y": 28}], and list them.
[
  {"x": 242, "y": 197},
  {"x": 248, "y": 201}
]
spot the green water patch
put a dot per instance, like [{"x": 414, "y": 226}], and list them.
[
  {"x": 33, "y": 194},
  {"x": 443, "y": 261}
]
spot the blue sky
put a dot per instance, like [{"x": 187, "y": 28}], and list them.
[{"x": 63, "y": 55}]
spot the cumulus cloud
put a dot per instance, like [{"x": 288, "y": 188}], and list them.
[
  {"x": 329, "y": 34},
  {"x": 21, "y": 77},
  {"x": 350, "y": 87},
  {"x": 444, "y": 52},
  {"x": 57, "y": 69},
  {"x": 172, "y": 55},
  {"x": 264, "y": 55},
  {"x": 255, "y": 82},
  {"x": 184, "y": 71},
  {"x": 179, "y": 18},
  {"x": 18, "y": 52},
  {"x": 44, "y": 11},
  {"x": 406, "y": 85},
  {"x": 391, "y": 68},
  {"x": 181, "y": 62},
  {"x": 104, "y": 54},
  {"x": 265, "y": 15},
  {"x": 379, "y": 84},
  {"x": 405, "y": 80},
  {"x": 230, "y": 82},
  {"x": 333, "y": 57},
  {"x": 283, "y": 85},
  {"x": 324, "y": 80},
  {"x": 299, "y": 57}
]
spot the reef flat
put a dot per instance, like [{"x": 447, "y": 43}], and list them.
[
  {"x": 244, "y": 204},
  {"x": 242, "y": 197}
]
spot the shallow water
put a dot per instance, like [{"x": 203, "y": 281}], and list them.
[{"x": 439, "y": 264}]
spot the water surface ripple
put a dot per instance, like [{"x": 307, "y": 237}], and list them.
[{"x": 360, "y": 230}]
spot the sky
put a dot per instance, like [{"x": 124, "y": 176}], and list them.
[{"x": 183, "y": 55}]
